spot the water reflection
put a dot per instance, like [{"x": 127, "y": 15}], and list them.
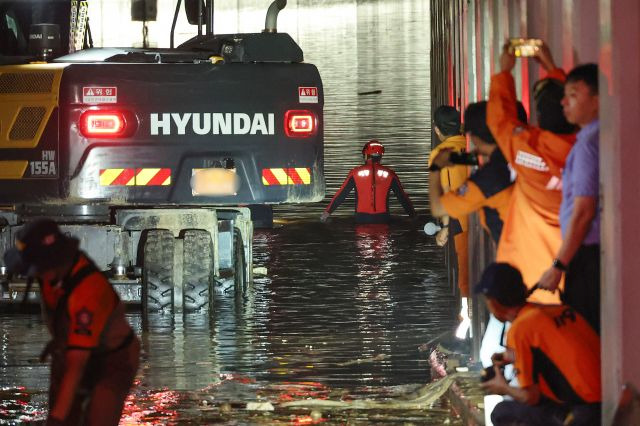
[{"x": 344, "y": 307}]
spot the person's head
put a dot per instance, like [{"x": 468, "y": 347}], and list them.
[
  {"x": 446, "y": 122},
  {"x": 373, "y": 150},
  {"x": 41, "y": 250},
  {"x": 548, "y": 94},
  {"x": 580, "y": 101},
  {"x": 504, "y": 290},
  {"x": 475, "y": 123}
]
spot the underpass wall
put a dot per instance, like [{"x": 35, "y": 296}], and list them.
[{"x": 470, "y": 33}]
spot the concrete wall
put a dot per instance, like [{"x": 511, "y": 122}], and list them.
[
  {"x": 619, "y": 177},
  {"x": 580, "y": 31}
]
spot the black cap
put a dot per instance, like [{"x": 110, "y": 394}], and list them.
[
  {"x": 502, "y": 282},
  {"x": 447, "y": 118},
  {"x": 548, "y": 94},
  {"x": 40, "y": 246}
]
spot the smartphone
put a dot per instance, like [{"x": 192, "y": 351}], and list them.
[{"x": 524, "y": 47}]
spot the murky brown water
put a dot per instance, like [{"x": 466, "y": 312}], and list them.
[{"x": 343, "y": 308}]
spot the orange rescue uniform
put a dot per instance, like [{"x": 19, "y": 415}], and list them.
[
  {"x": 452, "y": 178},
  {"x": 84, "y": 312},
  {"x": 557, "y": 349},
  {"x": 487, "y": 191},
  {"x": 531, "y": 234}
]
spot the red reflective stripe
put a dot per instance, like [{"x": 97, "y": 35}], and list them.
[
  {"x": 124, "y": 177},
  {"x": 269, "y": 176},
  {"x": 160, "y": 177},
  {"x": 293, "y": 175}
]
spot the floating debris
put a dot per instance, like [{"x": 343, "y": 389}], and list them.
[
  {"x": 260, "y": 406},
  {"x": 260, "y": 271}
]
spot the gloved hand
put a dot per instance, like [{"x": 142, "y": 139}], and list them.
[{"x": 324, "y": 216}]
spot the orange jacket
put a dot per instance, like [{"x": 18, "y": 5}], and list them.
[
  {"x": 452, "y": 178},
  {"x": 531, "y": 234},
  {"x": 557, "y": 349}
]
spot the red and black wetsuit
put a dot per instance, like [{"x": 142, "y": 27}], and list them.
[{"x": 373, "y": 183}]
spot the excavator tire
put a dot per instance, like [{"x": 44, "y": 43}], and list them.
[
  {"x": 157, "y": 274},
  {"x": 197, "y": 270}
]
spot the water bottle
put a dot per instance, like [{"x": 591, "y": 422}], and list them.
[{"x": 431, "y": 228}]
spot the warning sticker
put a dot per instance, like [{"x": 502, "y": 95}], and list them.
[
  {"x": 308, "y": 95},
  {"x": 99, "y": 95}
]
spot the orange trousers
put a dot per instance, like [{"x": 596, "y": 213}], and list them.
[{"x": 461, "y": 242}]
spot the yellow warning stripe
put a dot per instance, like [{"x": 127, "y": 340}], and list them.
[
  {"x": 13, "y": 169},
  {"x": 304, "y": 174},
  {"x": 144, "y": 176},
  {"x": 108, "y": 176},
  {"x": 280, "y": 175},
  {"x": 135, "y": 177}
]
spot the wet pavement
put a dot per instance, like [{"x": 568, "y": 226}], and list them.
[{"x": 343, "y": 309}]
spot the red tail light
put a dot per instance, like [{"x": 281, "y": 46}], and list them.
[
  {"x": 103, "y": 124},
  {"x": 300, "y": 123}
]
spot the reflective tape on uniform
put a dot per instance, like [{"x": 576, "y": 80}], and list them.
[
  {"x": 135, "y": 177},
  {"x": 286, "y": 176}
]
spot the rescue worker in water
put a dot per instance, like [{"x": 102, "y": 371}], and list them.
[
  {"x": 94, "y": 351},
  {"x": 373, "y": 183}
]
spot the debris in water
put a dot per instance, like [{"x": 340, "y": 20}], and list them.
[
  {"x": 372, "y": 92},
  {"x": 260, "y": 406},
  {"x": 260, "y": 271},
  {"x": 315, "y": 414}
]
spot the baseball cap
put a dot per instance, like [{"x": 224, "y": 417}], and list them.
[
  {"x": 40, "y": 245},
  {"x": 502, "y": 282}
]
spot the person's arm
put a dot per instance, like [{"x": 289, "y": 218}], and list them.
[
  {"x": 402, "y": 196},
  {"x": 498, "y": 386},
  {"x": 502, "y": 114},
  {"x": 545, "y": 59},
  {"x": 75, "y": 363},
  {"x": 436, "y": 190},
  {"x": 347, "y": 186},
  {"x": 584, "y": 183},
  {"x": 584, "y": 210},
  {"x": 435, "y": 193}
]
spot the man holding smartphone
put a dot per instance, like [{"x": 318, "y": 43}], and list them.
[{"x": 531, "y": 233}]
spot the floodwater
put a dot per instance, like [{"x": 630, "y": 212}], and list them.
[{"x": 343, "y": 309}]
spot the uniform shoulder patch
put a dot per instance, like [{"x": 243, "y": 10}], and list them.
[{"x": 84, "y": 318}]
